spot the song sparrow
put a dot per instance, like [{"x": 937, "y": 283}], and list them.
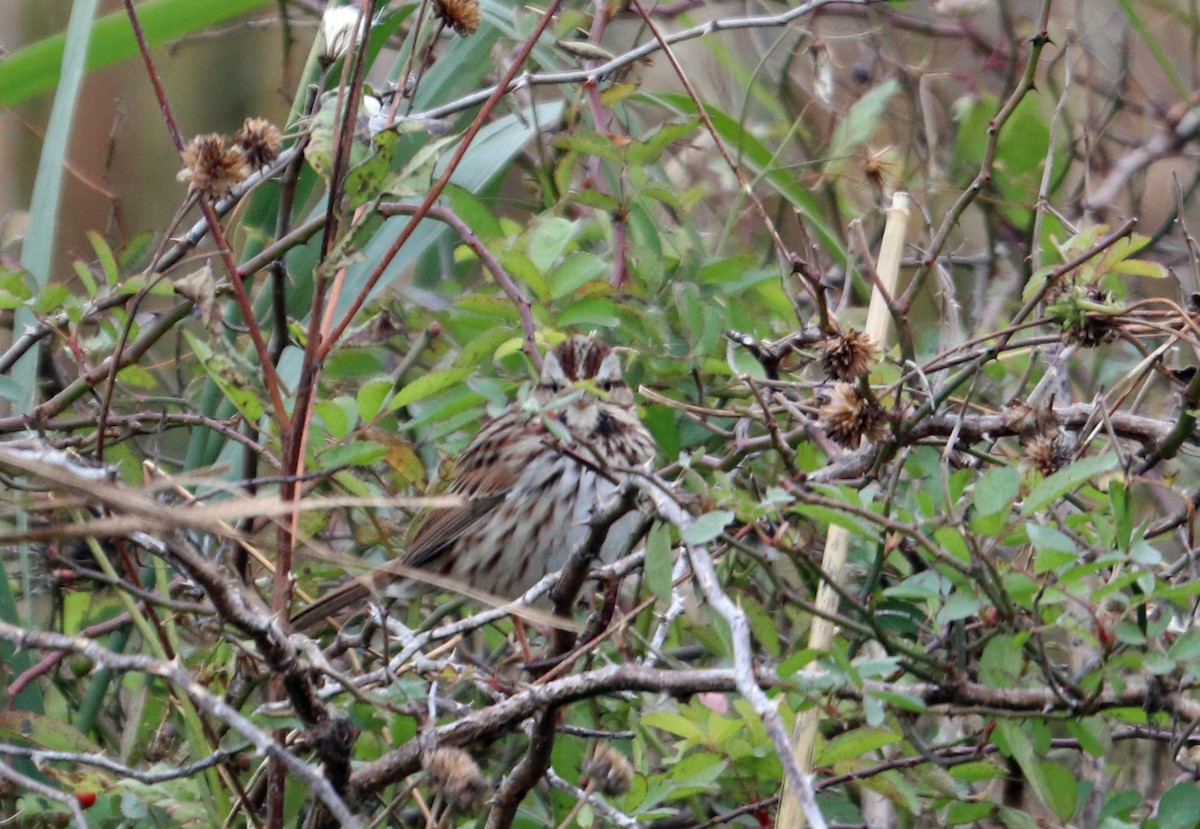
[{"x": 529, "y": 487}]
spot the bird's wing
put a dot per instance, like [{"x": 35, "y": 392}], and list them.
[{"x": 485, "y": 474}]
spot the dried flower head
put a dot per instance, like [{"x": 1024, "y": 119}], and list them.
[
  {"x": 1048, "y": 453},
  {"x": 881, "y": 169},
  {"x": 260, "y": 142},
  {"x": 455, "y": 777},
  {"x": 338, "y": 29},
  {"x": 847, "y": 356},
  {"x": 609, "y": 770},
  {"x": 849, "y": 416},
  {"x": 211, "y": 167},
  {"x": 461, "y": 15}
]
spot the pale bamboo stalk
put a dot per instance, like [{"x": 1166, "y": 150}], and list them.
[{"x": 837, "y": 540}]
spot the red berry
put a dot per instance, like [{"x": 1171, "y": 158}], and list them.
[{"x": 86, "y": 799}]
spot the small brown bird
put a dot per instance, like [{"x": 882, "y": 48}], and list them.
[{"x": 530, "y": 481}]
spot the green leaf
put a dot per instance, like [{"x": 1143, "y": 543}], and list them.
[
  {"x": 85, "y": 276},
  {"x": 668, "y": 197},
  {"x": 1065, "y": 480},
  {"x": 904, "y": 702},
  {"x": 707, "y": 527},
  {"x": 368, "y": 179},
  {"x": 659, "y": 562},
  {"x": 371, "y": 396},
  {"x": 675, "y": 723},
  {"x": 108, "y": 262},
  {"x": 968, "y": 811},
  {"x": 924, "y": 585},
  {"x": 1002, "y": 662},
  {"x": 597, "y": 311},
  {"x": 485, "y": 347},
  {"x": 224, "y": 374},
  {"x": 356, "y": 453},
  {"x": 137, "y": 376},
  {"x": 523, "y": 269},
  {"x": 1047, "y": 538},
  {"x": 428, "y": 384},
  {"x": 417, "y": 175},
  {"x": 1122, "y": 511},
  {"x": 34, "y": 70},
  {"x": 594, "y": 198},
  {"x": 976, "y": 772},
  {"x": 863, "y": 120},
  {"x": 577, "y": 270},
  {"x": 1093, "y": 735},
  {"x": 1187, "y": 646},
  {"x": 854, "y": 744},
  {"x": 1054, "y": 785},
  {"x": 1015, "y": 743},
  {"x": 1158, "y": 664},
  {"x": 1141, "y": 267},
  {"x": 549, "y": 239},
  {"x": 587, "y": 142},
  {"x": 1054, "y": 548},
  {"x": 647, "y": 150},
  {"x": 1061, "y": 791},
  {"x": 697, "y": 769},
  {"x": 1017, "y": 819},
  {"x": 960, "y": 605},
  {"x": 51, "y": 298},
  {"x": 996, "y": 490},
  {"x": 955, "y": 544},
  {"x": 474, "y": 212},
  {"x": 1179, "y": 807},
  {"x": 339, "y": 415},
  {"x": 47, "y": 732}
]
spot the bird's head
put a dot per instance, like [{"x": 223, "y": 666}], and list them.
[{"x": 580, "y": 379}]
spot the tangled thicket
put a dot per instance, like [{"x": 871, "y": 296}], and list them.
[{"x": 1009, "y": 470}]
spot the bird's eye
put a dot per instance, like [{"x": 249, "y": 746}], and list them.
[{"x": 605, "y": 385}]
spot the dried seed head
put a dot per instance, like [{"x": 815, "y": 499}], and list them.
[
  {"x": 455, "y": 777},
  {"x": 1048, "y": 453},
  {"x": 211, "y": 167},
  {"x": 610, "y": 770},
  {"x": 881, "y": 169},
  {"x": 461, "y": 15},
  {"x": 848, "y": 416},
  {"x": 260, "y": 142},
  {"x": 847, "y": 356}
]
